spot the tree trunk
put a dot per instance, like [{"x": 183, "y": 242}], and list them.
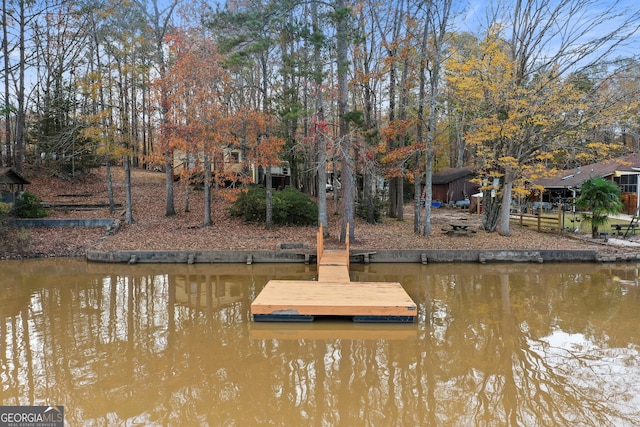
[
  {"x": 319, "y": 130},
  {"x": 6, "y": 73},
  {"x": 460, "y": 143},
  {"x": 127, "y": 187},
  {"x": 187, "y": 207},
  {"x": 402, "y": 139},
  {"x": 112, "y": 203},
  {"x": 20, "y": 119},
  {"x": 505, "y": 209},
  {"x": 345, "y": 140},
  {"x": 369, "y": 196},
  {"x": 491, "y": 207},
  {"x": 207, "y": 190},
  {"x": 420, "y": 139},
  {"x": 417, "y": 194},
  {"x": 439, "y": 33},
  {"x": 428, "y": 187},
  {"x": 269, "y": 188},
  {"x": 168, "y": 165},
  {"x": 160, "y": 20}
]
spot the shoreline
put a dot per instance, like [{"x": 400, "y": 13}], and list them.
[
  {"x": 359, "y": 256},
  {"x": 181, "y": 238}
]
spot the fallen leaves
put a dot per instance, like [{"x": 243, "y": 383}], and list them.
[{"x": 153, "y": 230}]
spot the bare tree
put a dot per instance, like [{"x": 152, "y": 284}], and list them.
[
  {"x": 343, "y": 13},
  {"x": 566, "y": 36},
  {"x": 317, "y": 40},
  {"x": 6, "y": 72},
  {"x": 159, "y": 17},
  {"x": 436, "y": 25}
]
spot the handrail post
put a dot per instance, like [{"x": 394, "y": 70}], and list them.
[{"x": 320, "y": 243}]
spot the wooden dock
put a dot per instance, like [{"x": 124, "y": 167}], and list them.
[{"x": 333, "y": 294}]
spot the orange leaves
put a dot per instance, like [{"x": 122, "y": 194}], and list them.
[
  {"x": 396, "y": 129},
  {"x": 268, "y": 150},
  {"x": 196, "y": 86}
]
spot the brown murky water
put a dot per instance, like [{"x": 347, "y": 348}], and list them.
[{"x": 174, "y": 345}]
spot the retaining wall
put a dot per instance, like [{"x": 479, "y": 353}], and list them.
[
  {"x": 71, "y": 223},
  {"x": 356, "y": 256}
]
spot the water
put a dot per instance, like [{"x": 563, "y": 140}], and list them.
[{"x": 493, "y": 345}]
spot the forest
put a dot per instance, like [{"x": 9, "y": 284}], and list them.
[{"x": 365, "y": 98}]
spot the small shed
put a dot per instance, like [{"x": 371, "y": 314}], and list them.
[
  {"x": 453, "y": 184},
  {"x": 11, "y": 185}
]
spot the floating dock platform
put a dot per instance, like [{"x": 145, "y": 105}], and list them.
[{"x": 333, "y": 294}]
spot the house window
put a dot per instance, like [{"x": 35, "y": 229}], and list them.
[
  {"x": 627, "y": 183},
  {"x": 234, "y": 157}
]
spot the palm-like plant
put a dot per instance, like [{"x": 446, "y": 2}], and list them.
[{"x": 598, "y": 198}]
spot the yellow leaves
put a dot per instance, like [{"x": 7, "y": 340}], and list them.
[
  {"x": 509, "y": 162},
  {"x": 515, "y": 121},
  {"x": 544, "y": 156},
  {"x": 598, "y": 147}
]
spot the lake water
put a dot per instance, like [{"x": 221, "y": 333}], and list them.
[{"x": 174, "y": 345}]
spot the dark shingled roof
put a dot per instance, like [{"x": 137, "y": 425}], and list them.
[
  {"x": 449, "y": 175},
  {"x": 10, "y": 176},
  {"x": 575, "y": 177}
]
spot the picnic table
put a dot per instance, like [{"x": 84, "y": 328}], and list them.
[{"x": 458, "y": 230}]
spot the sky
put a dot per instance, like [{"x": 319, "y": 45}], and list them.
[{"x": 472, "y": 16}]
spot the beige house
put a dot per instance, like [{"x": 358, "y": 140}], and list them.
[{"x": 235, "y": 167}]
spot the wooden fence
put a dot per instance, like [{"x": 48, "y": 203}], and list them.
[{"x": 545, "y": 223}]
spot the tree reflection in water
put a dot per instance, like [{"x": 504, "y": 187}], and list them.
[{"x": 174, "y": 345}]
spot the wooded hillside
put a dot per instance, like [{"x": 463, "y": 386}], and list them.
[{"x": 372, "y": 96}]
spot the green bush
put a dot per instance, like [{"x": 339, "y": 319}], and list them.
[
  {"x": 299, "y": 208},
  {"x": 250, "y": 205},
  {"x": 4, "y": 211},
  {"x": 4, "y": 214},
  {"x": 289, "y": 207},
  {"x": 29, "y": 206}
]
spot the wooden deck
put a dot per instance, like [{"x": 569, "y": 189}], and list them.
[
  {"x": 333, "y": 294},
  {"x": 332, "y": 267}
]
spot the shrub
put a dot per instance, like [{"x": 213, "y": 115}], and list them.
[
  {"x": 4, "y": 211},
  {"x": 299, "y": 208},
  {"x": 29, "y": 206},
  {"x": 4, "y": 214},
  {"x": 250, "y": 204},
  {"x": 289, "y": 207}
]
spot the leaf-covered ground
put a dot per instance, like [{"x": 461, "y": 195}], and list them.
[{"x": 153, "y": 230}]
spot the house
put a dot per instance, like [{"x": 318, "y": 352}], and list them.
[
  {"x": 11, "y": 185},
  {"x": 230, "y": 159},
  {"x": 453, "y": 184},
  {"x": 233, "y": 167},
  {"x": 562, "y": 187}
]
